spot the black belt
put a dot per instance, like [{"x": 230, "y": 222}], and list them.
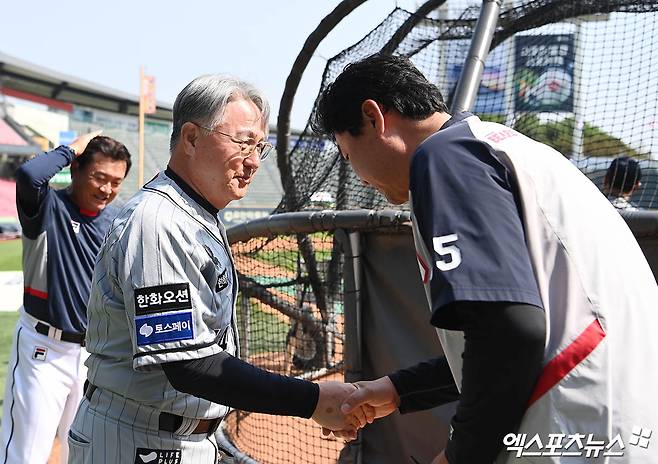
[
  {"x": 169, "y": 422},
  {"x": 57, "y": 334}
]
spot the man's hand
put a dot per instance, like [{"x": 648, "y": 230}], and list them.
[
  {"x": 328, "y": 413},
  {"x": 373, "y": 399},
  {"x": 79, "y": 144},
  {"x": 378, "y": 396}
]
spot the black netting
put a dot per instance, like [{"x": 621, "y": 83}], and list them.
[
  {"x": 579, "y": 76},
  {"x": 290, "y": 319}
]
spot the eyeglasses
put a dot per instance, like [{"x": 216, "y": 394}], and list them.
[{"x": 247, "y": 147}]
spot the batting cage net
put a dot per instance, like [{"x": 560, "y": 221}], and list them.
[
  {"x": 290, "y": 319},
  {"x": 581, "y": 77}
]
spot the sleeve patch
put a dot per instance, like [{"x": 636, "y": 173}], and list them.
[
  {"x": 163, "y": 328},
  {"x": 162, "y": 298}
]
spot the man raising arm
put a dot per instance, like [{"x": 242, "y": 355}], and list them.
[{"x": 62, "y": 233}]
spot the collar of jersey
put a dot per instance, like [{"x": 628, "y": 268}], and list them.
[
  {"x": 66, "y": 194},
  {"x": 185, "y": 187},
  {"x": 455, "y": 118}
]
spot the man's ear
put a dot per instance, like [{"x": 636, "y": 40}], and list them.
[
  {"x": 373, "y": 115},
  {"x": 189, "y": 135}
]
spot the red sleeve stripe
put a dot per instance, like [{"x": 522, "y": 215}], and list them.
[{"x": 37, "y": 293}]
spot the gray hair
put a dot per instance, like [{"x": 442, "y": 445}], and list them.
[{"x": 204, "y": 101}]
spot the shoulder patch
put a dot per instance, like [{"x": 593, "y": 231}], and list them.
[
  {"x": 163, "y": 328},
  {"x": 222, "y": 281},
  {"x": 162, "y": 298}
]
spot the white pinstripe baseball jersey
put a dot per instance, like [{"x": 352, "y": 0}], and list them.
[{"x": 164, "y": 289}]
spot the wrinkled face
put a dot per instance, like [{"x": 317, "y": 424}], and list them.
[
  {"x": 96, "y": 185},
  {"x": 221, "y": 172},
  {"x": 373, "y": 160}
]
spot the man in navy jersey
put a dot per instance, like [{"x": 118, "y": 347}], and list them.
[
  {"x": 542, "y": 299},
  {"x": 62, "y": 233}
]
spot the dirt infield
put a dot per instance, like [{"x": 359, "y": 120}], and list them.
[
  {"x": 278, "y": 440},
  {"x": 321, "y": 241}
]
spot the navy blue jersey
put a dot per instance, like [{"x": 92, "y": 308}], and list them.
[
  {"x": 464, "y": 205},
  {"x": 60, "y": 244},
  {"x": 501, "y": 217}
]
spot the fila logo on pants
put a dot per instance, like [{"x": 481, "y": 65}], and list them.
[{"x": 40, "y": 353}]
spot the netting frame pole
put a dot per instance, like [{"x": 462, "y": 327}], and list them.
[
  {"x": 350, "y": 241},
  {"x": 411, "y": 22},
  {"x": 469, "y": 80},
  {"x": 328, "y": 23},
  {"x": 577, "y": 141}
]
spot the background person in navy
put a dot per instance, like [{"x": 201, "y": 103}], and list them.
[
  {"x": 622, "y": 179},
  {"x": 62, "y": 233},
  {"x": 543, "y": 333}
]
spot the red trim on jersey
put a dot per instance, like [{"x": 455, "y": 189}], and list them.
[
  {"x": 37, "y": 293},
  {"x": 88, "y": 212},
  {"x": 426, "y": 269},
  {"x": 558, "y": 367}
]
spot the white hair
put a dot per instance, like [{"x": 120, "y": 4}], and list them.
[{"x": 204, "y": 101}]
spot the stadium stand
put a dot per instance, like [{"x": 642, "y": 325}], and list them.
[{"x": 86, "y": 106}]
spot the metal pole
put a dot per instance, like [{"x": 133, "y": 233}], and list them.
[
  {"x": 355, "y": 247},
  {"x": 510, "y": 90},
  {"x": 353, "y": 344},
  {"x": 469, "y": 81},
  {"x": 578, "y": 116}
]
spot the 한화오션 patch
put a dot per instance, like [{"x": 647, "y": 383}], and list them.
[
  {"x": 162, "y": 298},
  {"x": 162, "y": 328}
]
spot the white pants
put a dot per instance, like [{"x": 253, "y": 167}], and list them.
[{"x": 44, "y": 385}]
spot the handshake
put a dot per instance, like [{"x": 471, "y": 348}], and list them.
[{"x": 344, "y": 408}]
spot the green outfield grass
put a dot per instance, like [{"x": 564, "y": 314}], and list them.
[
  {"x": 10, "y": 255},
  {"x": 287, "y": 259},
  {"x": 267, "y": 331},
  {"x": 7, "y": 324}
]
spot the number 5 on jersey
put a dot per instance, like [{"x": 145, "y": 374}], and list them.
[{"x": 450, "y": 256}]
